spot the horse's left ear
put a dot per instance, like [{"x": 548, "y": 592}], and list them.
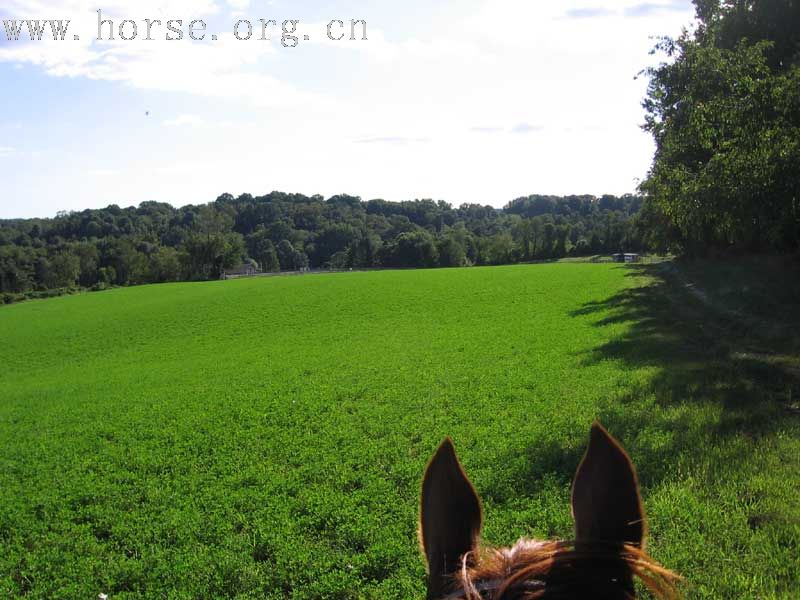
[
  {"x": 606, "y": 503},
  {"x": 450, "y": 517}
]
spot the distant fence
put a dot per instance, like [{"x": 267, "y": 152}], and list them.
[
  {"x": 640, "y": 259},
  {"x": 636, "y": 259},
  {"x": 321, "y": 272}
]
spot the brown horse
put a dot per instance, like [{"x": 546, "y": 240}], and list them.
[{"x": 603, "y": 561}]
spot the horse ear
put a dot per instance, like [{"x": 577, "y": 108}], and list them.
[
  {"x": 606, "y": 504},
  {"x": 450, "y": 517}
]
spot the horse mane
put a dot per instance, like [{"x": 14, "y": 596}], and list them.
[{"x": 561, "y": 570}]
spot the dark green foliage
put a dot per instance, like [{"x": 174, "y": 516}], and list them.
[
  {"x": 413, "y": 249},
  {"x": 452, "y": 247},
  {"x": 291, "y": 259},
  {"x": 157, "y": 243},
  {"x": 164, "y": 265},
  {"x": 262, "y": 250},
  {"x": 725, "y": 114}
]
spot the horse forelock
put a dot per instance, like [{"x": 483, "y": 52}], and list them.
[{"x": 532, "y": 569}]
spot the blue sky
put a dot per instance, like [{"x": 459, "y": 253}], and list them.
[{"x": 479, "y": 101}]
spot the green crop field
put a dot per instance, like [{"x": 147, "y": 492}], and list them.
[{"x": 265, "y": 438}]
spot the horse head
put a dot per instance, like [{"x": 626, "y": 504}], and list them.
[{"x": 605, "y": 557}]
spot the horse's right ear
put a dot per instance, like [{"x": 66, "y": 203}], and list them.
[
  {"x": 606, "y": 504},
  {"x": 450, "y": 517}
]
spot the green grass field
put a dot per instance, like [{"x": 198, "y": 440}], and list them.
[{"x": 265, "y": 438}]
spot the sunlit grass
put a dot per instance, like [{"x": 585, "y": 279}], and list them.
[{"x": 266, "y": 437}]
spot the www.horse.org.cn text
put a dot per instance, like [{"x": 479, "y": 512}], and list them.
[{"x": 290, "y": 32}]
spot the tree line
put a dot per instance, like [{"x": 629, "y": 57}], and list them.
[
  {"x": 156, "y": 242},
  {"x": 724, "y": 110}
]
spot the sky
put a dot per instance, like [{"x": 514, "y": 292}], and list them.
[{"x": 478, "y": 101}]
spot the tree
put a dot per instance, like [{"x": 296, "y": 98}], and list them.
[
  {"x": 548, "y": 238},
  {"x": 106, "y": 275},
  {"x": 537, "y": 234},
  {"x": 291, "y": 258},
  {"x": 129, "y": 265},
  {"x": 562, "y": 234},
  {"x": 17, "y": 269},
  {"x": 339, "y": 261},
  {"x": 365, "y": 252},
  {"x": 211, "y": 221},
  {"x": 211, "y": 247},
  {"x": 498, "y": 249},
  {"x": 64, "y": 270},
  {"x": 333, "y": 238},
  {"x": 413, "y": 249},
  {"x": 725, "y": 115},
  {"x": 44, "y": 274},
  {"x": 207, "y": 256},
  {"x": 452, "y": 247},
  {"x": 164, "y": 265},
  {"x": 261, "y": 248}
]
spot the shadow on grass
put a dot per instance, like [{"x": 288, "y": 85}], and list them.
[{"x": 724, "y": 344}]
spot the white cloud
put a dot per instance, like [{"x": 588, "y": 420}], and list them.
[
  {"x": 481, "y": 129},
  {"x": 239, "y": 5},
  {"x": 7, "y": 151},
  {"x": 185, "y": 120},
  {"x": 225, "y": 68},
  {"x": 192, "y": 121},
  {"x": 393, "y": 139},
  {"x": 102, "y": 172},
  {"x": 524, "y": 128}
]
